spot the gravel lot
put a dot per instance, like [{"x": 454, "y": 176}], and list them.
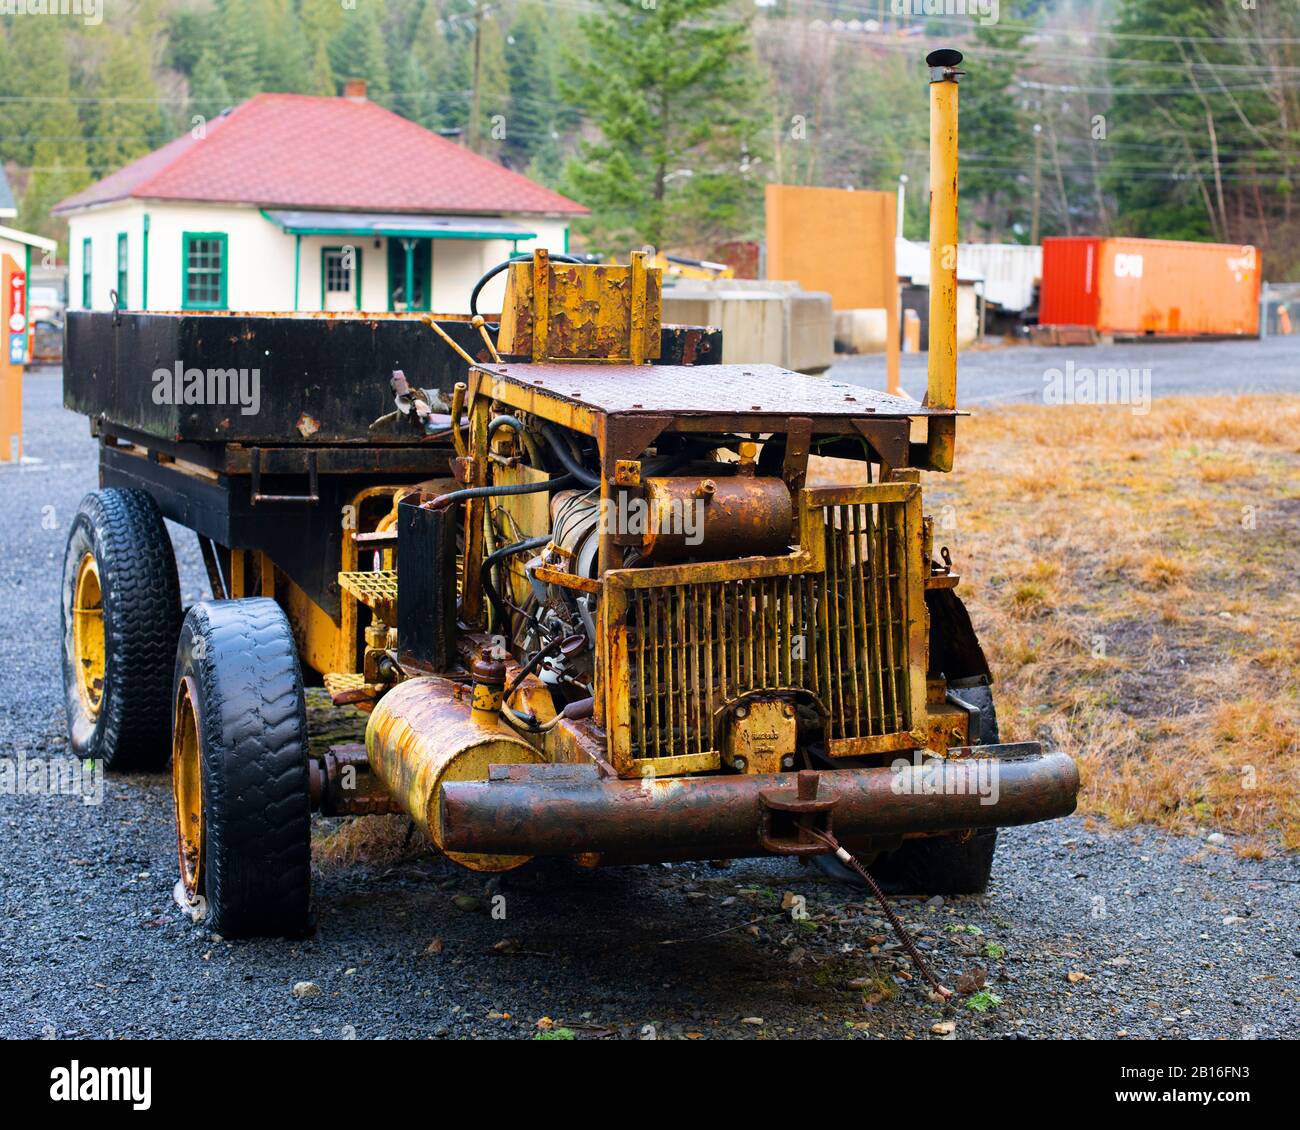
[{"x": 1166, "y": 937}]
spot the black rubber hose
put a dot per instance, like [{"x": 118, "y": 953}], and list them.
[
  {"x": 557, "y": 483},
  {"x": 561, "y": 451},
  {"x": 492, "y": 560},
  {"x": 478, "y": 286},
  {"x": 499, "y": 422}
]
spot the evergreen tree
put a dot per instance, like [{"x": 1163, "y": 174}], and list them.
[
  {"x": 357, "y": 50},
  {"x": 427, "y": 52},
  {"x": 1185, "y": 205},
  {"x": 531, "y": 74},
  {"x": 234, "y": 40},
  {"x": 672, "y": 92},
  {"x": 127, "y": 121},
  {"x": 48, "y": 131},
  {"x": 453, "y": 71},
  {"x": 409, "y": 86},
  {"x": 209, "y": 94},
  {"x": 997, "y": 130},
  {"x": 186, "y": 36},
  {"x": 282, "y": 60},
  {"x": 321, "y": 79}
]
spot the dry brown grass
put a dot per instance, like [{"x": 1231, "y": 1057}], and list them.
[
  {"x": 1134, "y": 582},
  {"x": 373, "y": 840}
]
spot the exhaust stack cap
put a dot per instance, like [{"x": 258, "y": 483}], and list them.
[
  {"x": 944, "y": 57},
  {"x": 943, "y": 64}
]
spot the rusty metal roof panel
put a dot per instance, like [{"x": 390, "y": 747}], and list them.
[{"x": 713, "y": 390}]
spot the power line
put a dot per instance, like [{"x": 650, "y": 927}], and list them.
[{"x": 971, "y": 22}]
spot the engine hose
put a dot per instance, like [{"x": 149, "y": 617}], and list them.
[
  {"x": 487, "y": 278},
  {"x": 534, "y": 661},
  {"x": 496, "y": 557},
  {"x": 670, "y": 463},
  {"x": 500, "y": 490},
  {"x": 528, "y": 725},
  {"x": 525, "y": 437},
  {"x": 561, "y": 451}
]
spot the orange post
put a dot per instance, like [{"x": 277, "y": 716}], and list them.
[{"x": 12, "y": 361}]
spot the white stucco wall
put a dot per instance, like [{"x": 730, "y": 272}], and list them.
[
  {"x": 18, "y": 252},
  {"x": 101, "y": 226},
  {"x": 260, "y": 267}
]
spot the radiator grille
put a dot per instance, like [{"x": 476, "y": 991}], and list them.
[{"x": 841, "y": 635}]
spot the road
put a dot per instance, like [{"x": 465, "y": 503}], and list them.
[
  {"x": 1164, "y": 937},
  {"x": 1020, "y": 373}
]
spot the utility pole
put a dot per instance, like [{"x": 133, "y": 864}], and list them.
[
  {"x": 1038, "y": 181},
  {"x": 479, "y": 12}
]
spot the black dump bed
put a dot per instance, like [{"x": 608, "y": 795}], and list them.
[{"x": 320, "y": 378}]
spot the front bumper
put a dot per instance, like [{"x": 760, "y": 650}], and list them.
[{"x": 559, "y": 810}]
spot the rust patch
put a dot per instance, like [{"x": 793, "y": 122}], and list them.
[{"x": 308, "y": 426}]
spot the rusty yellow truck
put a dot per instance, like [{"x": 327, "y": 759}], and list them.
[{"x": 574, "y": 570}]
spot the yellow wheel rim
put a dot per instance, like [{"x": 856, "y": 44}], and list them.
[
  {"x": 88, "y": 634},
  {"x": 187, "y": 788}
]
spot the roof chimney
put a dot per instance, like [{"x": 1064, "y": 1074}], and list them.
[{"x": 355, "y": 89}]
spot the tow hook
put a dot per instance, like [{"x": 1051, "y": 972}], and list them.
[{"x": 793, "y": 823}]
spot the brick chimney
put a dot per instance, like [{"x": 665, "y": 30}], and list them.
[{"x": 355, "y": 89}]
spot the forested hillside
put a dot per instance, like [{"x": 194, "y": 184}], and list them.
[{"x": 1179, "y": 119}]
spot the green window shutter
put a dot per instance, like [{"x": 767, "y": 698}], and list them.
[
  {"x": 85, "y": 273},
  {"x": 122, "y": 252},
  {"x": 204, "y": 266}
]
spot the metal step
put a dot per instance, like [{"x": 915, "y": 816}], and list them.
[{"x": 377, "y": 590}]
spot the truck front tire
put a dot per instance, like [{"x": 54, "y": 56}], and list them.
[
  {"x": 239, "y": 770},
  {"x": 947, "y": 865},
  {"x": 937, "y": 865}
]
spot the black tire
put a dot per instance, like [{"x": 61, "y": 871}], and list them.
[
  {"x": 252, "y": 723},
  {"x": 128, "y": 725},
  {"x": 945, "y": 865},
  {"x": 939, "y": 865}
]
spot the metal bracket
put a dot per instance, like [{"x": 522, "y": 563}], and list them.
[
  {"x": 255, "y": 487},
  {"x": 787, "y": 818}
]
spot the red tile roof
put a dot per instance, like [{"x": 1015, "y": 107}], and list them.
[{"x": 299, "y": 151}]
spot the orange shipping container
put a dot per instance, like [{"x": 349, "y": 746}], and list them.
[{"x": 1150, "y": 286}]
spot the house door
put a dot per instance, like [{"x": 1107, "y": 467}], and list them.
[
  {"x": 341, "y": 278},
  {"x": 411, "y": 258}
]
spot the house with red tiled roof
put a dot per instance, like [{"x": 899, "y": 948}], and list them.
[{"x": 295, "y": 202}]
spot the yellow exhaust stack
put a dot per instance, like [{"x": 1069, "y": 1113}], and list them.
[{"x": 942, "y": 388}]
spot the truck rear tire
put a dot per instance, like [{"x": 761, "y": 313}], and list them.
[
  {"x": 121, "y": 611},
  {"x": 239, "y": 770}
]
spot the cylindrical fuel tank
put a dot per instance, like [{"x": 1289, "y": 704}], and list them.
[
  {"x": 421, "y": 736},
  {"x": 716, "y": 519}
]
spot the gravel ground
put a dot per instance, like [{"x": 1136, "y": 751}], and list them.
[
  {"x": 1085, "y": 933},
  {"x": 1017, "y": 373}
]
